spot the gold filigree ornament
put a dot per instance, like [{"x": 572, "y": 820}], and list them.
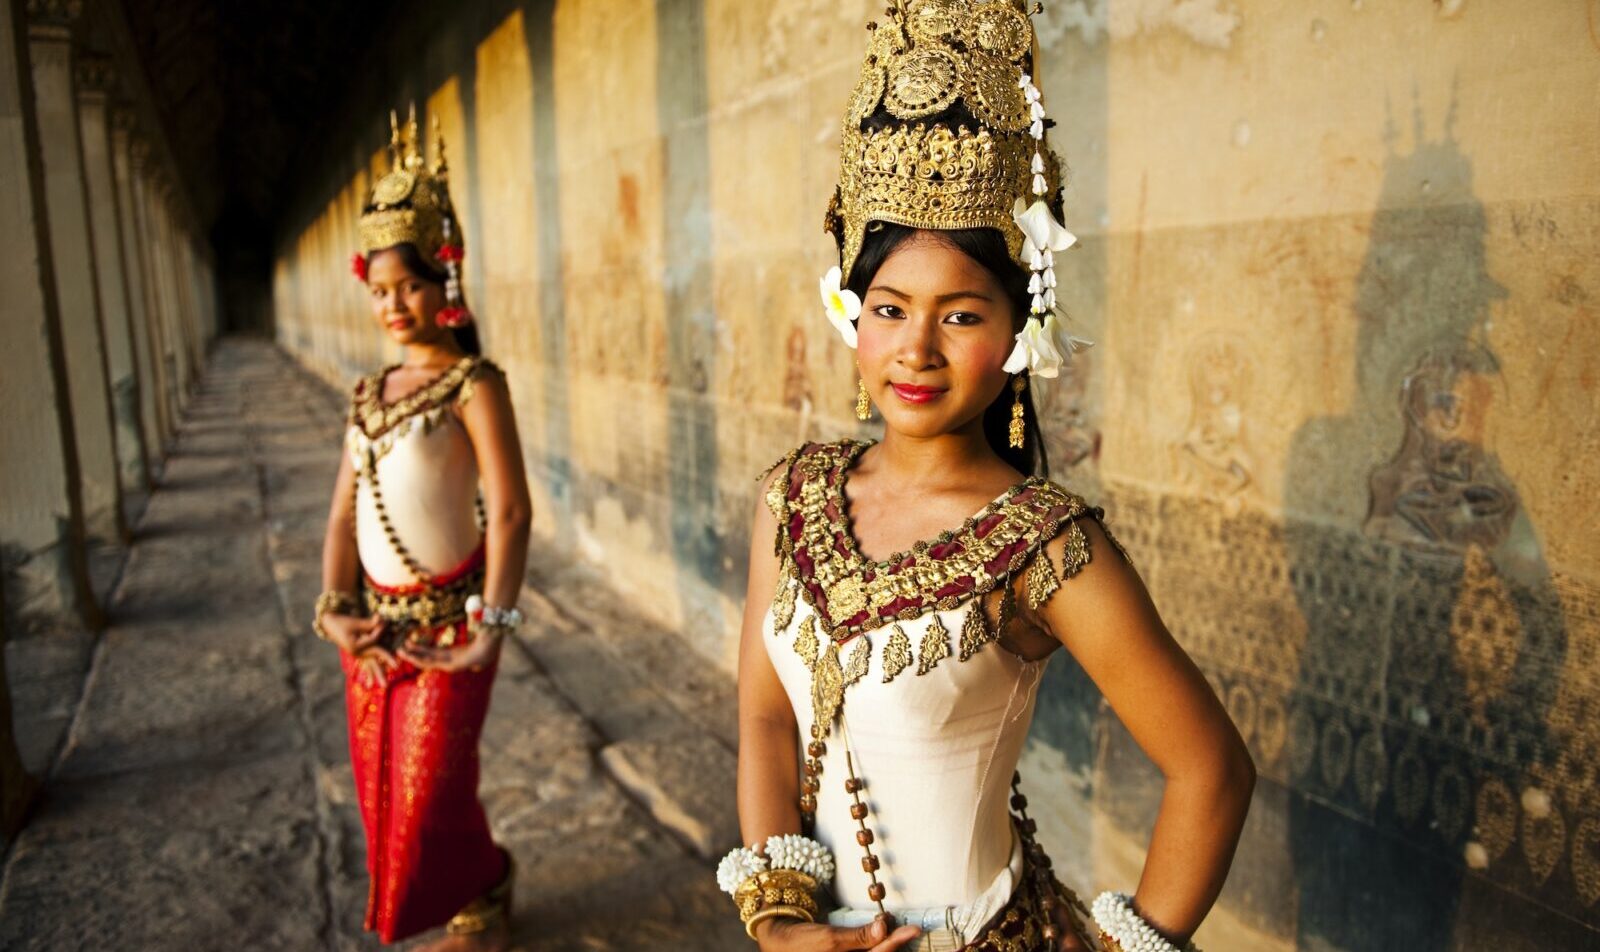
[
  {"x": 411, "y": 205},
  {"x": 927, "y": 57},
  {"x": 411, "y": 202},
  {"x": 910, "y": 156},
  {"x": 1002, "y": 30},
  {"x": 922, "y": 83}
]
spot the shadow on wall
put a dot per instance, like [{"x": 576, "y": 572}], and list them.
[{"x": 1418, "y": 738}]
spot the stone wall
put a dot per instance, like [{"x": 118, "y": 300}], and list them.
[{"x": 1341, "y": 263}]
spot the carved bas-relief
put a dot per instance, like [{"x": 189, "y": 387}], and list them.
[
  {"x": 1213, "y": 457},
  {"x": 1424, "y": 731},
  {"x": 1442, "y": 492}
]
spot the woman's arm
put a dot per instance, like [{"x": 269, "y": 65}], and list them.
[
  {"x": 769, "y": 784},
  {"x": 341, "y": 566},
  {"x": 1104, "y": 616},
  {"x": 341, "y": 572},
  {"x": 508, "y": 514},
  {"x": 492, "y": 426},
  {"x": 769, "y": 751}
]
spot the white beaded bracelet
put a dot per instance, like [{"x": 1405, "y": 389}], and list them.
[
  {"x": 802, "y": 854},
  {"x": 739, "y": 865},
  {"x": 1113, "y": 913},
  {"x": 783, "y": 851},
  {"x": 492, "y": 616}
]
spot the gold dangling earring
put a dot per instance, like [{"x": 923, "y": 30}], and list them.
[
  {"x": 1019, "y": 436},
  {"x": 863, "y": 405}
]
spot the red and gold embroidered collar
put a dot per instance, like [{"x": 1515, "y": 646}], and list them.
[
  {"x": 852, "y": 594},
  {"x": 375, "y": 418}
]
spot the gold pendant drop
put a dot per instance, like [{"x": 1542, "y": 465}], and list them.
[
  {"x": 863, "y": 403},
  {"x": 1075, "y": 554},
  {"x": 805, "y": 643},
  {"x": 860, "y": 657},
  {"x": 975, "y": 631},
  {"x": 783, "y": 599},
  {"x": 1041, "y": 581},
  {"x": 896, "y": 654},
  {"x": 1019, "y": 435},
  {"x": 935, "y": 646}
]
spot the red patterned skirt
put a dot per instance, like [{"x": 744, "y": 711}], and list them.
[{"x": 414, "y": 749}]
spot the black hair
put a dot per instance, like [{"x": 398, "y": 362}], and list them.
[
  {"x": 467, "y": 336},
  {"x": 988, "y": 248}
]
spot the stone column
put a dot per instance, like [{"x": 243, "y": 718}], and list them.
[
  {"x": 94, "y": 80},
  {"x": 171, "y": 308},
  {"x": 42, "y": 554},
  {"x": 155, "y": 327},
  {"x": 188, "y": 297},
  {"x": 17, "y": 788},
  {"x": 72, "y": 249},
  {"x": 133, "y": 272}
]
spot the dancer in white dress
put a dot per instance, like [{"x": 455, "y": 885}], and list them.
[{"x": 905, "y": 595}]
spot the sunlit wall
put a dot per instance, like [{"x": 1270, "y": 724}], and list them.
[{"x": 1342, "y": 261}]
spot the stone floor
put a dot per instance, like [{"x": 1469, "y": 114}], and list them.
[{"x": 198, "y": 791}]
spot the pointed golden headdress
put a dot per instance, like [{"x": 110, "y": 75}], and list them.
[
  {"x": 411, "y": 203},
  {"x": 944, "y": 129}
]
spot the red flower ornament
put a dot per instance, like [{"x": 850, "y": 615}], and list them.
[
  {"x": 358, "y": 266},
  {"x": 449, "y": 253},
  {"x": 453, "y": 317}
]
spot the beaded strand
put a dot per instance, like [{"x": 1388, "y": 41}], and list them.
[
  {"x": 1038, "y": 860},
  {"x": 858, "y": 812},
  {"x": 369, "y": 469}
]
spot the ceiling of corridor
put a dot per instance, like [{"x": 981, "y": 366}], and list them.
[{"x": 242, "y": 86}]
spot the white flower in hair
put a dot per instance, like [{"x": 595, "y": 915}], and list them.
[
  {"x": 738, "y": 866},
  {"x": 1036, "y": 350},
  {"x": 842, "y": 305},
  {"x": 1040, "y": 229},
  {"x": 1043, "y": 346},
  {"x": 793, "y": 851}
]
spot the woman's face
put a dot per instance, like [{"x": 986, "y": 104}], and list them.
[
  {"x": 935, "y": 329},
  {"x": 403, "y": 303}
]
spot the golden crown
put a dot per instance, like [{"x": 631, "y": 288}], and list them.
[
  {"x": 942, "y": 61},
  {"x": 411, "y": 204}
]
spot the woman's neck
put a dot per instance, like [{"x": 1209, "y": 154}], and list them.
[
  {"x": 433, "y": 353},
  {"x": 932, "y": 462}
]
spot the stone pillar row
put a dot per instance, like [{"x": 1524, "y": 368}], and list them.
[{"x": 108, "y": 310}]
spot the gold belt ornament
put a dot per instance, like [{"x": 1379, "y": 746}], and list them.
[{"x": 426, "y": 606}]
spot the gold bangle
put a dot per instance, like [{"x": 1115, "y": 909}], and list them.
[
  {"x": 775, "y": 887},
  {"x": 331, "y": 602},
  {"x": 774, "y": 912}
]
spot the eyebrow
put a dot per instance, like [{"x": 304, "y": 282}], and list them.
[{"x": 940, "y": 299}]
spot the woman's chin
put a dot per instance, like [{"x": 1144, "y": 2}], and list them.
[
  {"x": 923, "y": 423},
  {"x": 408, "y": 334}
]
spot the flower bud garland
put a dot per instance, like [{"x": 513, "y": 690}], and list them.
[
  {"x": 739, "y": 865},
  {"x": 454, "y": 314},
  {"x": 801, "y": 853},
  {"x": 1043, "y": 345},
  {"x": 1113, "y": 912},
  {"x": 783, "y": 851}
]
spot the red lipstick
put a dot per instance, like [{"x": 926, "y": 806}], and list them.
[{"x": 912, "y": 393}]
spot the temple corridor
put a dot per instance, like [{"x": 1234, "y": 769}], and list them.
[{"x": 196, "y": 782}]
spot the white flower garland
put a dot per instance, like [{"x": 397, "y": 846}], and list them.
[
  {"x": 739, "y": 865},
  {"x": 801, "y": 853},
  {"x": 1043, "y": 345},
  {"x": 1113, "y": 913},
  {"x": 784, "y": 851}
]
